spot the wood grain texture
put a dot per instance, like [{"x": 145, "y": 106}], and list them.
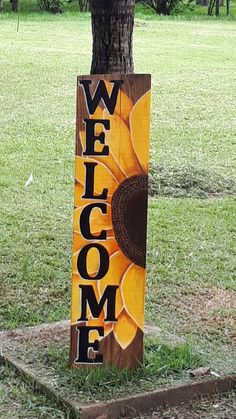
[{"x": 115, "y": 347}]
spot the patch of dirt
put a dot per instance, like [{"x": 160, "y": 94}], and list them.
[
  {"x": 57, "y": 333},
  {"x": 213, "y": 308}
]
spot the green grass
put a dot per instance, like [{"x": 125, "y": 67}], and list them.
[
  {"x": 191, "y": 242},
  {"x": 161, "y": 361},
  {"x": 18, "y": 400},
  {"x": 193, "y": 108}
]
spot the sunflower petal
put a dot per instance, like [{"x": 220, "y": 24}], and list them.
[
  {"x": 97, "y": 114},
  {"x": 123, "y": 103},
  {"x": 103, "y": 178},
  {"x": 121, "y": 148},
  {"x": 124, "y": 330},
  {"x": 97, "y": 220},
  {"x": 117, "y": 267},
  {"x": 132, "y": 289},
  {"x": 139, "y": 128}
]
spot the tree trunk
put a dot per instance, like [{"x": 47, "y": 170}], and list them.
[
  {"x": 112, "y": 28},
  {"x": 210, "y": 7},
  {"x": 217, "y": 7},
  {"x": 14, "y": 5},
  {"x": 202, "y": 2},
  {"x": 227, "y": 7}
]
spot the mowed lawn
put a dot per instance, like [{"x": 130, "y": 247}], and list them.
[{"x": 191, "y": 242}]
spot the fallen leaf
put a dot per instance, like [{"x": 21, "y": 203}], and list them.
[
  {"x": 200, "y": 371},
  {"x": 214, "y": 373},
  {"x": 29, "y": 181}
]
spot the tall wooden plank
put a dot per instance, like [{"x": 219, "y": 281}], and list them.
[{"x": 110, "y": 220}]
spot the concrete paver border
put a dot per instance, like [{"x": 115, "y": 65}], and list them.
[{"x": 122, "y": 407}]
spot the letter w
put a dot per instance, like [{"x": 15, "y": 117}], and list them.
[
  {"x": 88, "y": 296},
  {"x": 101, "y": 93}
]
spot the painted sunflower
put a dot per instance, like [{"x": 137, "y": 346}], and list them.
[{"x": 124, "y": 173}]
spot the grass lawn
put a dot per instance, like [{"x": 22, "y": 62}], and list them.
[
  {"x": 17, "y": 400},
  {"x": 191, "y": 241}
]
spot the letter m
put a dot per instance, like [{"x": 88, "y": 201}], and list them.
[
  {"x": 101, "y": 93},
  {"x": 88, "y": 297}
]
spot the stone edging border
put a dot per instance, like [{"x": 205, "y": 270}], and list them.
[{"x": 125, "y": 407}]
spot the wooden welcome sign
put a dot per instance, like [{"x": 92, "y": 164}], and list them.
[{"x": 110, "y": 220}]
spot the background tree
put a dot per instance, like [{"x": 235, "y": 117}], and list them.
[
  {"x": 52, "y": 6},
  {"x": 14, "y": 5},
  {"x": 83, "y": 5},
  {"x": 112, "y": 29},
  {"x": 202, "y": 2},
  {"x": 163, "y": 7}
]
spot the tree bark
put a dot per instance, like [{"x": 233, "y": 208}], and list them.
[
  {"x": 217, "y": 7},
  {"x": 14, "y": 5},
  {"x": 210, "y": 7},
  {"x": 112, "y": 28},
  {"x": 227, "y": 7},
  {"x": 202, "y": 2}
]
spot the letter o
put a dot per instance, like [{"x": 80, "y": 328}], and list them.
[{"x": 82, "y": 261}]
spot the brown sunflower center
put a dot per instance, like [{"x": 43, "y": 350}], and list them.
[{"x": 129, "y": 217}]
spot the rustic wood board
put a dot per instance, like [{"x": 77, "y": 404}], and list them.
[{"x": 110, "y": 220}]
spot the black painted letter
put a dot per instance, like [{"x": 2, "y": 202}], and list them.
[
  {"x": 84, "y": 345},
  {"x": 88, "y": 297},
  {"x": 101, "y": 94},
  {"x": 89, "y": 184},
  {"x": 85, "y": 224},
  {"x": 82, "y": 261},
  {"x": 91, "y": 137}
]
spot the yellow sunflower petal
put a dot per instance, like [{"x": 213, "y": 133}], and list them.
[
  {"x": 132, "y": 289},
  {"x": 103, "y": 178},
  {"x": 124, "y": 330},
  {"x": 139, "y": 128},
  {"x": 117, "y": 267},
  {"x": 108, "y": 161},
  {"x": 97, "y": 114},
  {"x": 79, "y": 241},
  {"x": 78, "y": 192},
  {"x": 123, "y": 103},
  {"x": 97, "y": 220},
  {"x": 122, "y": 148}
]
